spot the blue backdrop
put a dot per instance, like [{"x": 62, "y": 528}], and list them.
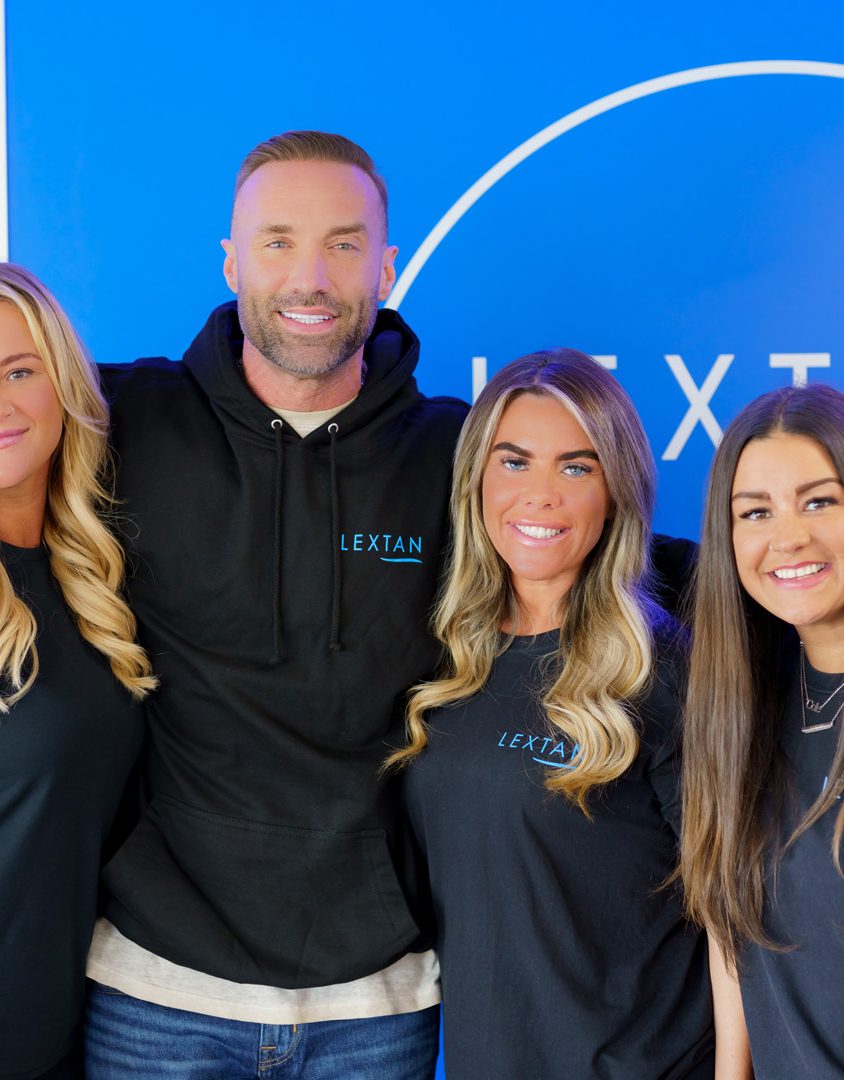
[
  {"x": 694, "y": 234},
  {"x": 700, "y": 222}
]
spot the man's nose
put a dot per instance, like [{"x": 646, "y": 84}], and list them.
[{"x": 309, "y": 271}]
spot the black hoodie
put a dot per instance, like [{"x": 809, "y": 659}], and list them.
[{"x": 282, "y": 586}]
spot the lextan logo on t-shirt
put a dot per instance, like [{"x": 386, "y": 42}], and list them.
[
  {"x": 389, "y": 547},
  {"x": 543, "y": 749}
]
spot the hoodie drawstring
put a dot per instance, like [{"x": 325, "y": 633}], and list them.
[
  {"x": 336, "y": 586},
  {"x": 334, "y": 642},
  {"x": 277, "y": 425}
]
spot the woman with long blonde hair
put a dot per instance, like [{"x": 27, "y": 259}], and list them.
[
  {"x": 71, "y": 675},
  {"x": 764, "y": 761},
  {"x": 542, "y": 779}
]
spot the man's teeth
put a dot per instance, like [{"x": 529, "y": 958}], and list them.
[
  {"x": 298, "y": 317},
  {"x": 788, "y": 572},
  {"x": 538, "y": 533}
]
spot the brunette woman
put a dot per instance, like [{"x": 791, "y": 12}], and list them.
[{"x": 764, "y": 775}]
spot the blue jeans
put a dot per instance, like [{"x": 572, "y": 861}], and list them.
[{"x": 129, "y": 1039}]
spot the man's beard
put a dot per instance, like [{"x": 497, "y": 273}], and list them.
[{"x": 300, "y": 355}]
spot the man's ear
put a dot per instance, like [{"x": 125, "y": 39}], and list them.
[
  {"x": 230, "y": 264},
  {"x": 388, "y": 272}
]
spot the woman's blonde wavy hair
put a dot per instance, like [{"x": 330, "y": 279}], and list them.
[
  {"x": 604, "y": 657},
  {"x": 85, "y": 559}
]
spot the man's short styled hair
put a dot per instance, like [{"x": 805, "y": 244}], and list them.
[{"x": 311, "y": 146}]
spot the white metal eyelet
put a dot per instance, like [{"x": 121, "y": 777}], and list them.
[
  {"x": 277, "y": 423},
  {"x": 333, "y": 429}
]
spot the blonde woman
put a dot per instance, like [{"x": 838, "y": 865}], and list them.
[
  {"x": 71, "y": 675},
  {"x": 542, "y": 784}
]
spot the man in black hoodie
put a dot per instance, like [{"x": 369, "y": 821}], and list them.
[{"x": 285, "y": 490}]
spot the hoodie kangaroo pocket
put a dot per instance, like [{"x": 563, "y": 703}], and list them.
[{"x": 258, "y": 903}]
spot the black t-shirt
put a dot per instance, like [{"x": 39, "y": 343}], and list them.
[
  {"x": 66, "y": 750},
  {"x": 793, "y": 1000},
  {"x": 561, "y": 955}
]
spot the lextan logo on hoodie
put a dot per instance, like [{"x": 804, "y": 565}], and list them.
[{"x": 389, "y": 547}]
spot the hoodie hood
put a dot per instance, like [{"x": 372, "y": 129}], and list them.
[{"x": 390, "y": 354}]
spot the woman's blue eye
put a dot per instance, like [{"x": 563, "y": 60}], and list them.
[{"x": 574, "y": 468}]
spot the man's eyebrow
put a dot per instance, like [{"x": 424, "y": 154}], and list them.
[
  {"x": 569, "y": 455},
  {"x": 275, "y": 230},
  {"x": 347, "y": 230},
  {"x": 13, "y": 358},
  {"x": 337, "y": 230}
]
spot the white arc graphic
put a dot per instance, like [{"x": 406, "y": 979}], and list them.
[{"x": 580, "y": 116}]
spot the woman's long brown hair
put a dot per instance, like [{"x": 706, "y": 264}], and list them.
[{"x": 742, "y": 660}]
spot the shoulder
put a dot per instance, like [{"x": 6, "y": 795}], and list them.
[
  {"x": 122, "y": 381},
  {"x": 450, "y": 405},
  {"x": 673, "y": 563},
  {"x": 445, "y": 410},
  {"x": 670, "y": 637},
  {"x": 155, "y": 405},
  {"x": 437, "y": 419},
  {"x": 146, "y": 385},
  {"x": 660, "y": 706}
]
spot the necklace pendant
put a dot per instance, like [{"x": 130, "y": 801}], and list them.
[
  {"x": 813, "y": 706},
  {"x": 807, "y": 729}
]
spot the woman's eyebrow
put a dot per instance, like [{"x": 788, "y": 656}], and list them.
[
  {"x": 13, "y": 358},
  {"x": 569, "y": 455},
  {"x": 801, "y": 489},
  {"x": 816, "y": 483}
]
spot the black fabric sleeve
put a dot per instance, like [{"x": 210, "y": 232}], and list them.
[
  {"x": 662, "y": 713},
  {"x": 673, "y": 563}
]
